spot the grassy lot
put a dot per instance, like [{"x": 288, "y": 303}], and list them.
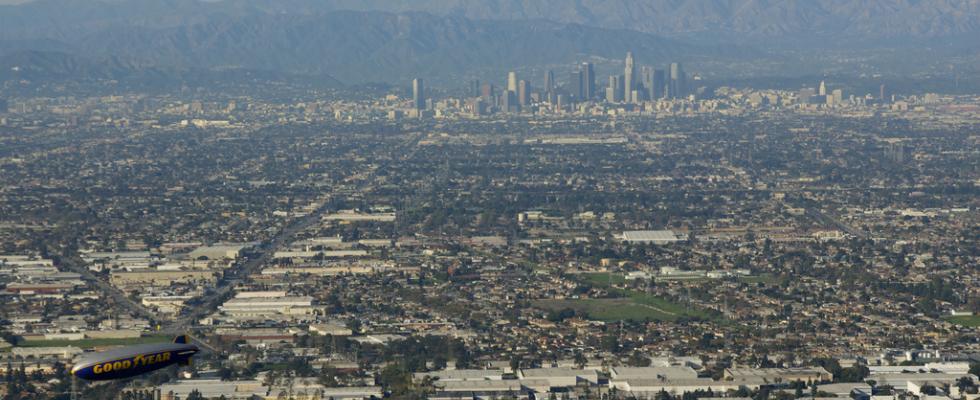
[
  {"x": 764, "y": 278},
  {"x": 971, "y": 321},
  {"x": 89, "y": 343},
  {"x": 631, "y": 304},
  {"x": 607, "y": 310}
]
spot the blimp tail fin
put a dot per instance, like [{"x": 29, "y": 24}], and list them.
[{"x": 182, "y": 339}]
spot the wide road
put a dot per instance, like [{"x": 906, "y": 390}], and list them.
[
  {"x": 77, "y": 265},
  {"x": 207, "y": 304},
  {"x": 262, "y": 255},
  {"x": 827, "y": 220}
]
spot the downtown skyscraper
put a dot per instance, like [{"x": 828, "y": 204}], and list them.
[
  {"x": 678, "y": 81},
  {"x": 629, "y": 82},
  {"x": 418, "y": 94}
]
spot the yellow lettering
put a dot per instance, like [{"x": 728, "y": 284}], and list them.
[
  {"x": 139, "y": 360},
  {"x": 116, "y": 366},
  {"x": 126, "y": 364},
  {"x": 97, "y": 369},
  {"x": 106, "y": 367},
  {"x": 166, "y": 356}
]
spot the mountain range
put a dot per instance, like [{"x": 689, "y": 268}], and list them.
[{"x": 393, "y": 40}]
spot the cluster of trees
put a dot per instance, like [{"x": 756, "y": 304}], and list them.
[{"x": 855, "y": 373}]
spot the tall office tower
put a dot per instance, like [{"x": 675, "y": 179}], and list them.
[
  {"x": 3, "y": 106},
  {"x": 486, "y": 92},
  {"x": 475, "y": 88},
  {"x": 806, "y": 95},
  {"x": 512, "y": 81},
  {"x": 418, "y": 94},
  {"x": 508, "y": 102},
  {"x": 646, "y": 79},
  {"x": 883, "y": 94},
  {"x": 614, "y": 93},
  {"x": 895, "y": 152},
  {"x": 628, "y": 83},
  {"x": 575, "y": 89},
  {"x": 659, "y": 85},
  {"x": 822, "y": 91},
  {"x": 523, "y": 93},
  {"x": 588, "y": 81},
  {"x": 549, "y": 81},
  {"x": 678, "y": 81}
]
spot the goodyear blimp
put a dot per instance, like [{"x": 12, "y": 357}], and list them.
[{"x": 130, "y": 361}]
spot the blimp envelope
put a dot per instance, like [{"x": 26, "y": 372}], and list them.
[{"x": 130, "y": 361}]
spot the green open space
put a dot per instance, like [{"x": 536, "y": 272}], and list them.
[
  {"x": 89, "y": 343},
  {"x": 608, "y": 310},
  {"x": 627, "y": 304},
  {"x": 971, "y": 321},
  {"x": 602, "y": 279}
]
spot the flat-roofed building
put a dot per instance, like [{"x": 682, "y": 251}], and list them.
[
  {"x": 352, "y": 216},
  {"x": 65, "y": 352},
  {"x": 655, "y": 237},
  {"x": 765, "y": 376},
  {"x": 160, "y": 278},
  {"x": 217, "y": 252},
  {"x": 653, "y": 373},
  {"x": 266, "y": 306},
  {"x": 213, "y": 389},
  {"x": 460, "y": 375},
  {"x": 322, "y": 253},
  {"x": 560, "y": 377},
  {"x": 332, "y": 329},
  {"x": 645, "y": 388}
]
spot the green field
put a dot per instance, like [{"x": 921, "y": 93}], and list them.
[
  {"x": 629, "y": 304},
  {"x": 89, "y": 343},
  {"x": 971, "y": 321},
  {"x": 608, "y": 310}
]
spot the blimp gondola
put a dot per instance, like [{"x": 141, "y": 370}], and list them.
[{"x": 131, "y": 361}]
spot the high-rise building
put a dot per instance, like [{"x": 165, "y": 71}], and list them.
[
  {"x": 895, "y": 152},
  {"x": 646, "y": 79},
  {"x": 806, "y": 95},
  {"x": 512, "y": 81},
  {"x": 418, "y": 94},
  {"x": 883, "y": 94},
  {"x": 523, "y": 93},
  {"x": 588, "y": 81},
  {"x": 549, "y": 81},
  {"x": 659, "y": 85},
  {"x": 508, "y": 102},
  {"x": 822, "y": 91},
  {"x": 838, "y": 96},
  {"x": 628, "y": 80},
  {"x": 575, "y": 89},
  {"x": 4, "y": 107},
  {"x": 486, "y": 92},
  {"x": 474, "y": 88},
  {"x": 614, "y": 93},
  {"x": 678, "y": 80}
]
